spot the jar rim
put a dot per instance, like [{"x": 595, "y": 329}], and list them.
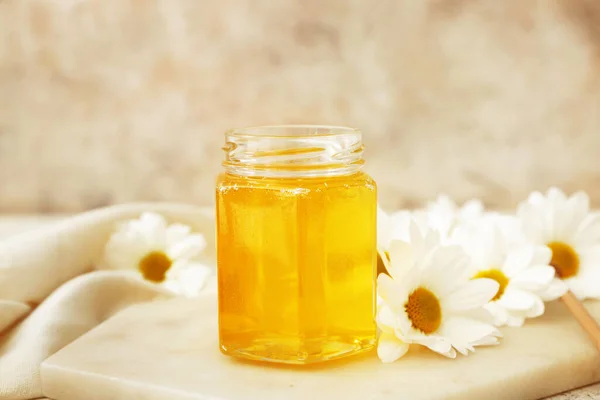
[
  {"x": 293, "y": 150},
  {"x": 292, "y": 131}
]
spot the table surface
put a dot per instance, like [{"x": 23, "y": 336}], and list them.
[{"x": 14, "y": 224}]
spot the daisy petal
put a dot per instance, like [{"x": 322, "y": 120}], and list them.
[
  {"x": 532, "y": 223},
  {"x": 438, "y": 344},
  {"x": 461, "y": 349},
  {"x": 590, "y": 258},
  {"x": 471, "y": 209},
  {"x": 517, "y": 260},
  {"x": 499, "y": 313},
  {"x": 392, "y": 292},
  {"x": 464, "y": 331},
  {"x": 401, "y": 258},
  {"x": 589, "y": 232},
  {"x": 576, "y": 210},
  {"x": 497, "y": 247},
  {"x": 421, "y": 243},
  {"x": 153, "y": 226},
  {"x": 404, "y": 327},
  {"x": 555, "y": 289},
  {"x": 390, "y": 348},
  {"x": 479, "y": 314},
  {"x": 431, "y": 239},
  {"x": 588, "y": 279},
  {"x": 188, "y": 281},
  {"x": 400, "y": 225},
  {"x": 563, "y": 222},
  {"x": 472, "y": 294},
  {"x": 510, "y": 226},
  {"x": 122, "y": 253},
  {"x": 384, "y": 228},
  {"x": 541, "y": 255},
  {"x": 515, "y": 321},
  {"x": 577, "y": 287},
  {"x": 450, "y": 354},
  {"x": 536, "y": 198},
  {"x": 486, "y": 341},
  {"x": 537, "y": 310},
  {"x": 556, "y": 196},
  {"x": 176, "y": 233},
  {"x": 515, "y": 299},
  {"x": 386, "y": 320},
  {"x": 533, "y": 278},
  {"x": 188, "y": 248},
  {"x": 584, "y": 288},
  {"x": 442, "y": 214},
  {"x": 171, "y": 286},
  {"x": 447, "y": 269},
  {"x": 421, "y": 218}
]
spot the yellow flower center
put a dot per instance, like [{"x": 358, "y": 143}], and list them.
[
  {"x": 498, "y": 276},
  {"x": 154, "y": 266},
  {"x": 564, "y": 259},
  {"x": 423, "y": 310}
]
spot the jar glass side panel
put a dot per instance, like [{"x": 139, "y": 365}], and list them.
[{"x": 296, "y": 265}]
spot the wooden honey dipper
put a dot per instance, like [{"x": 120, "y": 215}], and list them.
[{"x": 585, "y": 319}]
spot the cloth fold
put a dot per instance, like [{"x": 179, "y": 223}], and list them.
[{"x": 53, "y": 267}]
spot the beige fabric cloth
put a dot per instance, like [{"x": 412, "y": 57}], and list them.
[{"x": 50, "y": 294}]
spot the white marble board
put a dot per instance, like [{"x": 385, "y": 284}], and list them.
[{"x": 168, "y": 350}]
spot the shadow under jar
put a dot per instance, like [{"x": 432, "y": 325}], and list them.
[{"x": 296, "y": 245}]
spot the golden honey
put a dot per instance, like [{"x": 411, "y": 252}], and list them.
[{"x": 296, "y": 240}]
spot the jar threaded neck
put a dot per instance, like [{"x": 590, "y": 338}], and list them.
[{"x": 293, "y": 151}]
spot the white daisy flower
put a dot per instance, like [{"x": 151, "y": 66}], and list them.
[
  {"x": 160, "y": 253},
  {"x": 427, "y": 300},
  {"x": 522, "y": 271},
  {"x": 572, "y": 234},
  {"x": 444, "y": 214}
]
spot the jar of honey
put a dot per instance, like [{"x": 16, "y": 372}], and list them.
[{"x": 296, "y": 245}]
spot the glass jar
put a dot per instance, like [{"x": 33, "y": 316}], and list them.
[{"x": 296, "y": 245}]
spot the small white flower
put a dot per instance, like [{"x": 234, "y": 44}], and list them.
[
  {"x": 444, "y": 214},
  {"x": 522, "y": 271},
  {"x": 572, "y": 234},
  {"x": 427, "y": 300},
  {"x": 161, "y": 254}
]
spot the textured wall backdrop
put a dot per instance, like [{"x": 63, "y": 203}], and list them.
[{"x": 105, "y": 101}]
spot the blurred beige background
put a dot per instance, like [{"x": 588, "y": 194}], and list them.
[{"x": 107, "y": 101}]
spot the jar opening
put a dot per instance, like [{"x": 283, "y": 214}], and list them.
[
  {"x": 292, "y": 131},
  {"x": 293, "y": 150}
]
